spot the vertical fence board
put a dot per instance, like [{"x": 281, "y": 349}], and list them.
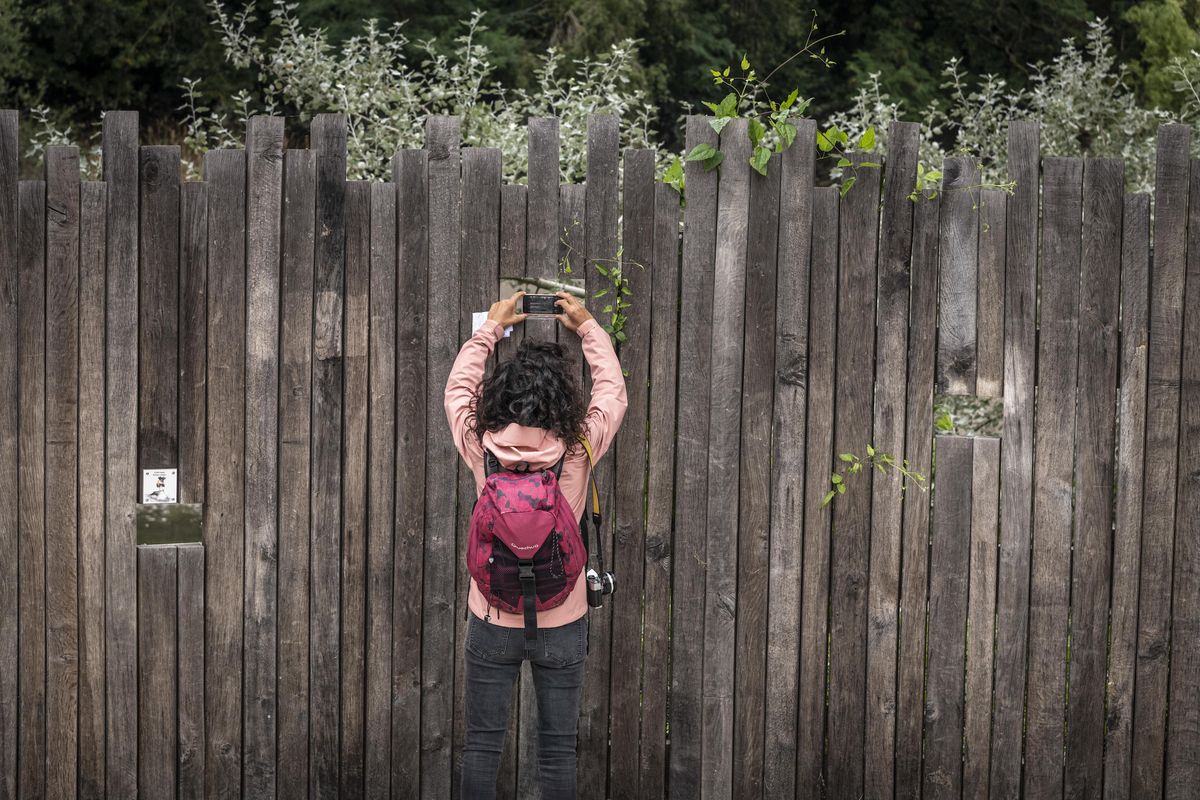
[
  {"x": 1103, "y": 190},
  {"x": 31, "y": 666},
  {"x": 91, "y": 489},
  {"x": 10, "y": 427},
  {"x": 852, "y": 511},
  {"x": 660, "y": 496},
  {"x": 958, "y": 270},
  {"x": 981, "y": 611},
  {"x": 295, "y": 390},
  {"x": 1131, "y": 448},
  {"x": 724, "y": 434},
  {"x": 157, "y": 678},
  {"x": 949, "y": 562},
  {"x": 381, "y": 472},
  {"x": 544, "y": 228},
  {"x": 572, "y": 225},
  {"x": 1054, "y": 449},
  {"x": 788, "y": 443},
  {"x": 1016, "y": 460},
  {"x": 193, "y": 341},
  {"x": 691, "y": 454},
  {"x": 438, "y": 657},
  {"x": 918, "y": 450},
  {"x": 410, "y": 171},
  {"x": 628, "y": 556},
  {"x": 814, "y": 605},
  {"x": 190, "y": 630},
  {"x": 120, "y": 148},
  {"x": 62, "y": 469},
  {"x": 989, "y": 319},
  {"x": 1183, "y": 721},
  {"x": 225, "y": 172},
  {"x": 355, "y": 408},
  {"x": 754, "y": 493},
  {"x": 264, "y": 213},
  {"x": 328, "y": 139},
  {"x": 891, "y": 347}
]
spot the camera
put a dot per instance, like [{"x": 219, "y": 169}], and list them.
[
  {"x": 540, "y": 304},
  {"x": 598, "y": 585}
]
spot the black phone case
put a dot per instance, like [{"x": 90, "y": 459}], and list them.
[{"x": 539, "y": 304}]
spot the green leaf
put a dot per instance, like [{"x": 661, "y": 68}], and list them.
[
  {"x": 841, "y": 488},
  {"x": 791, "y": 98},
  {"x": 835, "y": 478},
  {"x": 728, "y": 107},
  {"x": 601, "y": 293},
  {"x": 725, "y": 72},
  {"x": 824, "y": 142},
  {"x": 870, "y": 164},
  {"x": 701, "y": 152},
  {"x": 759, "y": 160},
  {"x": 745, "y": 64},
  {"x": 600, "y": 268},
  {"x": 843, "y": 162},
  {"x": 608, "y": 309},
  {"x": 787, "y": 132},
  {"x": 867, "y": 140},
  {"x": 846, "y": 185},
  {"x": 626, "y": 290},
  {"x": 718, "y": 123},
  {"x": 846, "y": 456},
  {"x": 870, "y": 450},
  {"x": 756, "y": 131},
  {"x": 711, "y": 106},
  {"x": 620, "y": 336},
  {"x": 713, "y": 161},
  {"x": 828, "y": 496}
]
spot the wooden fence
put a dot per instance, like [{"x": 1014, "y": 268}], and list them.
[{"x": 283, "y": 336}]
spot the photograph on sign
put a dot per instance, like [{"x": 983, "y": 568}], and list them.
[{"x": 159, "y": 486}]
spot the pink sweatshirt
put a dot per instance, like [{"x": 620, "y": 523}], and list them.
[{"x": 537, "y": 446}]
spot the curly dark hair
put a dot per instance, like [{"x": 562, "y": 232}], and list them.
[{"x": 538, "y": 387}]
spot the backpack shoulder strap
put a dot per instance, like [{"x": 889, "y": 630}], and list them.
[
  {"x": 558, "y": 467},
  {"x": 595, "y": 510},
  {"x": 491, "y": 464}
]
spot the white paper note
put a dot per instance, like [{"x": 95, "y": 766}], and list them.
[{"x": 480, "y": 317}]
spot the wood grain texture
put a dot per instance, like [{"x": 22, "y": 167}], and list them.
[
  {"x": 989, "y": 319},
  {"x": 438, "y": 656},
  {"x": 572, "y": 226},
  {"x": 381, "y": 472},
  {"x": 10, "y": 435},
  {"x": 158, "y": 723},
  {"x": 1095, "y": 429},
  {"x": 660, "y": 492},
  {"x": 891, "y": 363},
  {"x": 1127, "y": 531},
  {"x": 120, "y": 149},
  {"x": 193, "y": 338},
  {"x": 31, "y": 532},
  {"x": 264, "y": 216},
  {"x": 814, "y": 603},
  {"x": 852, "y": 511},
  {"x": 92, "y": 242},
  {"x": 1016, "y": 460},
  {"x": 329, "y": 141},
  {"x": 629, "y": 532},
  {"x": 914, "y": 547},
  {"x": 410, "y": 172},
  {"x": 981, "y": 613},
  {"x": 543, "y": 229},
  {"x": 295, "y": 458},
  {"x": 225, "y": 172},
  {"x": 190, "y": 631},
  {"x": 62, "y": 469},
  {"x": 691, "y": 456},
  {"x": 958, "y": 278},
  {"x": 1054, "y": 439}
]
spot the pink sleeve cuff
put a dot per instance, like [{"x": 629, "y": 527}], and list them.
[{"x": 586, "y": 327}]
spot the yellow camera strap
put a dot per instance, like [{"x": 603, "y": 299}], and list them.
[{"x": 587, "y": 446}]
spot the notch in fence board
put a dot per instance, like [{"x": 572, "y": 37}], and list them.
[
  {"x": 10, "y": 426},
  {"x": 958, "y": 276}
]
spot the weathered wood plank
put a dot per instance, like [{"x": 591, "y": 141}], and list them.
[
  {"x": 31, "y": 328},
  {"x": 887, "y": 521},
  {"x": 190, "y": 600},
  {"x": 918, "y": 450},
  {"x": 409, "y": 170},
  {"x": 572, "y": 225},
  {"x": 1095, "y": 428},
  {"x": 788, "y": 444},
  {"x": 438, "y": 656},
  {"x": 981, "y": 612},
  {"x": 158, "y": 723},
  {"x": 1054, "y": 437},
  {"x": 949, "y": 562},
  {"x": 544, "y": 229},
  {"x": 193, "y": 341},
  {"x": 158, "y": 307},
  {"x": 852, "y": 511},
  {"x": 10, "y": 434},
  {"x": 120, "y": 147},
  {"x": 691, "y": 454},
  {"x": 752, "y": 570},
  {"x": 328, "y": 139},
  {"x": 355, "y": 407},
  {"x": 62, "y": 469},
  {"x": 1168, "y": 268},
  {"x": 381, "y": 473},
  {"x": 958, "y": 276},
  {"x": 989, "y": 322},
  {"x": 1016, "y": 460},
  {"x": 91, "y": 489},
  {"x": 225, "y": 172},
  {"x": 1127, "y": 532},
  {"x": 1183, "y": 722},
  {"x": 660, "y": 491},
  {"x": 629, "y": 532},
  {"x": 818, "y": 460},
  {"x": 264, "y": 214},
  {"x": 295, "y": 431}
]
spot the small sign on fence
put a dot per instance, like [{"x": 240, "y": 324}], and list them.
[{"x": 160, "y": 486}]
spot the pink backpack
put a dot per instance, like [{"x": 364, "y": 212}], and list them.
[{"x": 524, "y": 550}]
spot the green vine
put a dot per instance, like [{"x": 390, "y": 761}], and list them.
[
  {"x": 853, "y": 465},
  {"x": 618, "y": 289}
]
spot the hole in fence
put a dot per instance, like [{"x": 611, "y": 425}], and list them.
[
  {"x": 169, "y": 523},
  {"x": 967, "y": 415}
]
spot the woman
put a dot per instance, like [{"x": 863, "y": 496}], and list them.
[{"x": 528, "y": 413}]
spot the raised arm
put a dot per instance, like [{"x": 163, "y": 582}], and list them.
[
  {"x": 465, "y": 377},
  {"x": 606, "y": 408}
]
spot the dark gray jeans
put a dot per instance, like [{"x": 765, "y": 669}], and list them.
[{"x": 493, "y": 660}]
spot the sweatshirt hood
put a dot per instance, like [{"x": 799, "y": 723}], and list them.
[{"x": 514, "y": 444}]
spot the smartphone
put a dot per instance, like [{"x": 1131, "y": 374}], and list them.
[{"x": 540, "y": 304}]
